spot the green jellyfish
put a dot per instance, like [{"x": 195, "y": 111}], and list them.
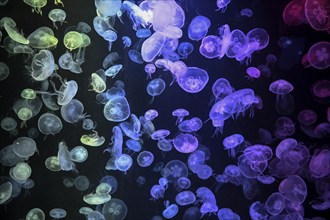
[
  {"x": 7, "y": 20},
  {"x": 103, "y": 188},
  {"x": 72, "y": 40},
  {"x": 42, "y": 38},
  {"x": 24, "y": 114},
  {"x": 15, "y": 35},
  {"x": 93, "y": 139},
  {"x": 52, "y": 164},
  {"x": 96, "y": 199},
  {"x": 35, "y": 214},
  {"x": 57, "y": 2},
  {"x": 98, "y": 84},
  {"x": 27, "y": 108},
  {"x": 6, "y": 190},
  {"x": 57, "y": 15},
  {"x": 21, "y": 172},
  {"x": 36, "y": 5},
  {"x": 28, "y": 94}
]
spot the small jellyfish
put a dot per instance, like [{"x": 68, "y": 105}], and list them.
[
  {"x": 317, "y": 14},
  {"x": 88, "y": 124},
  {"x": 20, "y": 172},
  {"x": 73, "y": 111},
  {"x": 155, "y": 87},
  {"x": 258, "y": 211},
  {"x": 110, "y": 60},
  {"x": 275, "y": 203},
  {"x": 185, "y": 198},
  {"x": 112, "y": 71},
  {"x": 231, "y": 142},
  {"x": 4, "y": 71},
  {"x": 149, "y": 69},
  {"x": 210, "y": 46},
  {"x": 117, "y": 109},
  {"x": 260, "y": 36},
  {"x": 319, "y": 164},
  {"x": 127, "y": 42},
  {"x": 98, "y": 84},
  {"x": 177, "y": 169},
  {"x": 8, "y": 124},
  {"x": 160, "y": 134},
  {"x": 246, "y": 12},
  {"x": 284, "y": 42},
  {"x": 294, "y": 189},
  {"x": 108, "y": 8},
  {"x": 151, "y": 114},
  {"x": 96, "y": 199},
  {"x": 93, "y": 139},
  {"x": 24, "y": 147},
  {"x": 284, "y": 127},
  {"x": 307, "y": 117},
  {"x": 180, "y": 113},
  {"x": 185, "y": 143},
  {"x": 81, "y": 183},
  {"x": 66, "y": 92},
  {"x": 49, "y": 123},
  {"x": 35, "y": 213},
  {"x": 143, "y": 33},
  {"x": 198, "y": 27},
  {"x": 157, "y": 192},
  {"x": 204, "y": 171},
  {"x": 222, "y": 5},
  {"x": 115, "y": 209},
  {"x": 193, "y": 80},
  {"x": 78, "y": 154},
  {"x": 57, "y": 213},
  {"x": 184, "y": 183},
  {"x": 170, "y": 211},
  {"x": 123, "y": 162},
  {"x": 252, "y": 73},
  {"x": 6, "y": 190},
  {"x": 135, "y": 56},
  {"x": 221, "y": 88},
  {"x": 191, "y": 125},
  {"x": 52, "y": 164},
  {"x": 145, "y": 158},
  {"x": 57, "y": 15},
  {"x": 184, "y": 49},
  {"x": 63, "y": 156}
]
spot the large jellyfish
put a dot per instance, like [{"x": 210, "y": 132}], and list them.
[
  {"x": 152, "y": 46},
  {"x": 185, "y": 143},
  {"x": 114, "y": 209},
  {"x": 317, "y": 14},
  {"x": 319, "y": 55},
  {"x": 198, "y": 27},
  {"x": 193, "y": 80},
  {"x": 117, "y": 109},
  {"x": 73, "y": 111},
  {"x": 43, "y": 65}
]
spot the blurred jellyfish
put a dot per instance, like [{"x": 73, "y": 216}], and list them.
[
  {"x": 143, "y": 33},
  {"x": 193, "y": 80},
  {"x": 57, "y": 15},
  {"x": 110, "y": 60},
  {"x": 157, "y": 192},
  {"x": 93, "y": 139},
  {"x": 319, "y": 164},
  {"x": 151, "y": 114},
  {"x": 198, "y": 27},
  {"x": 108, "y": 8},
  {"x": 231, "y": 142},
  {"x": 141, "y": 180},
  {"x": 78, "y": 154},
  {"x": 113, "y": 70},
  {"x": 73, "y": 111},
  {"x": 4, "y": 71},
  {"x": 307, "y": 117},
  {"x": 317, "y": 14},
  {"x": 135, "y": 56},
  {"x": 185, "y": 143},
  {"x": 195, "y": 160},
  {"x": 123, "y": 162},
  {"x": 127, "y": 42},
  {"x": 183, "y": 183},
  {"x": 294, "y": 189},
  {"x": 24, "y": 147},
  {"x": 204, "y": 171},
  {"x": 177, "y": 169},
  {"x": 152, "y": 46},
  {"x": 284, "y": 127},
  {"x": 221, "y": 88},
  {"x": 319, "y": 55},
  {"x": 57, "y": 213},
  {"x": 180, "y": 113},
  {"x": 246, "y": 12},
  {"x": 170, "y": 211},
  {"x": 222, "y": 5},
  {"x": 260, "y": 36},
  {"x": 88, "y": 124},
  {"x": 6, "y": 190},
  {"x": 149, "y": 69},
  {"x": 8, "y": 123},
  {"x": 275, "y": 203},
  {"x": 191, "y": 125},
  {"x": 258, "y": 211},
  {"x": 35, "y": 213},
  {"x": 185, "y": 198},
  {"x": 253, "y": 73},
  {"x": 64, "y": 158},
  {"x": 184, "y": 49},
  {"x": 294, "y": 13}
]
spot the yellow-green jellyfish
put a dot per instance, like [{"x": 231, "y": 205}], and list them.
[
  {"x": 72, "y": 40},
  {"x": 42, "y": 38},
  {"x": 15, "y": 35},
  {"x": 36, "y": 5},
  {"x": 93, "y": 139},
  {"x": 35, "y": 214},
  {"x": 98, "y": 84}
]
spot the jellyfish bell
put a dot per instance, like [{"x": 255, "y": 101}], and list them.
[
  {"x": 294, "y": 13},
  {"x": 193, "y": 80},
  {"x": 317, "y": 14},
  {"x": 43, "y": 65},
  {"x": 319, "y": 55}
]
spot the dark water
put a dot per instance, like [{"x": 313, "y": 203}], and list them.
[{"x": 49, "y": 192}]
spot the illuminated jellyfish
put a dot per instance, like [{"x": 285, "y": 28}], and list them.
[
  {"x": 210, "y": 46},
  {"x": 8, "y": 124},
  {"x": 258, "y": 210},
  {"x": 42, "y": 38},
  {"x": 252, "y": 73},
  {"x": 221, "y": 88},
  {"x": 134, "y": 145},
  {"x": 152, "y": 46},
  {"x": 149, "y": 69},
  {"x": 110, "y": 59},
  {"x": 284, "y": 127},
  {"x": 63, "y": 156},
  {"x": 284, "y": 146},
  {"x": 151, "y": 114},
  {"x": 117, "y": 109},
  {"x": 157, "y": 192},
  {"x": 130, "y": 130},
  {"x": 317, "y": 14},
  {"x": 65, "y": 61},
  {"x": 319, "y": 164},
  {"x": 180, "y": 113},
  {"x": 83, "y": 27},
  {"x": 294, "y": 189},
  {"x": 170, "y": 210},
  {"x": 103, "y": 188},
  {"x": 198, "y": 27},
  {"x": 294, "y": 13},
  {"x": 258, "y": 35},
  {"x": 8, "y": 157},
  {"x": 14, "y": 34},
  {"x": 177, "y": 169},
  {"x": 184, "y": 49},
  {"x": 57, "y": 213},
  {"x": 185, "y": 143},
  {"x": 88, "y": 124},
  {"x": 164, "y": 145},
  {"x": 49, "y": 123},
  {"x": 43, "y": 65},
  {"x": 108, "y": 8},
  {"x": 227, "y": 213},
  {"x": 123, "y": 162},
  {"x": 257, "y": 155},
  {"x": 275, "y": 203},
  {"x": 36, "y": 5},
  {"x": 66, "y": 92},
  {"x": 155, "y": 87},
  {"x": 52, "y": 164},
  {"x": 112, "y": 71},
  {"x": 307, "y": 117},
  {"x": 281, "y": 88},
  {"x": 114, "y": 92},
  {"x": 143, "y": 33},
  {"x": 27, "y": 108},
  {"x": 138, "y": 16},
  {"x": 177, "y": 68},
  {"x": 204, "y": 171},
  {"x": 191, "y": 125},
  {"x": 72, "y": 40},
  {"x": 6, "y": 190},
  {"x": 73, "y": 111},
  {"x": 78, "y": 154},
  {"x": 170, "y": 45},
  {"x": 319, "y": 55},
  {"x": 145, "y": 159},
  {"x": 183, "y": 183},
  {"x": 35, "y": 213},
  {"x": 4, "y": 71},
  {"x": 96, "y": 199},
  {"x": 231, "y": 142},
  {"x": 246, "y": 12},
  {"x": 98, "y": 83},
  {"x": 57, "y": 15},
  {"x": 185, "y": 198},
  {"x": 193, "y": 80},
  {"x": 93, "y": 139},
  {"x": 195, "y": 160},
  {"x": 135, "y": 56},
  {"x": 320, "y": 90},
  {"x": 222, "y": 5},
  {"x": 24, "y": 147},
  {"x": 20, "y": 172},
  {"x": 127, "y": 42}
]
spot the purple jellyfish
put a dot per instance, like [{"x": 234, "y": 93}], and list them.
[
  {"x": 252, "y": 73},
  {"x": 193, "y": 80},
  {"x": 307, "y": 117},
  {"x": 180, "y": 113},
  {"x": 319, "y": 165},
  {"x": 231, "y": 142},
  {"x": 210, "y": 46},
  {"x": 317, "y": 13},
  {"x": 185, "y": 143},
  {"x": 284, "y": 127},
  {"x": 319, "y": 55},
  {"x": 294, "y": 13},
  {"x": 294, "y": 189}
]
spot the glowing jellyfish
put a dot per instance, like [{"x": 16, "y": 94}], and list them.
[
  {"x": 108, "y": 8},
  {"x": 177, "y": 169},
  {"x": 226, "y": 213},
  {"x": 110, "y": 59},
  {"x": 317, "y": 14},
  {"x": 143, "y": 33},
  {"x": 307, "y": 117},
  {"x": 258, "y": 210},
  {"x": 183, "y": 183},
  {"x": 112, "y": 71},
  {"x": 193, "y": 80},
  {"x": 275, "y": 203},
  {"x": 284, "y": 127},
  {"x": 14, "y": 34},
  {"x": 221, "y": 88},
  {"x": 66, "y": 92},
  {"x": 185, "y": 198},
  {"x": 117, "y": 109},
  {"x": 24, "y": 147},
  {"x": 6, "y": 190},
  {"x": 135, "y": 56},
  {"x": 145, "y": 158},
  {"x": 57, "y": 213},
  {"x": 4, "y": 71},
  {"x": 72, "y": 40},
  {"x": 123, "y": 162},
  {"x": 210, "y": 46},
  {"x": 157, "y": 192},
  {"x": 43, "y": 65},
  {"x": 222, "y": 5},
  {"x": 93, "y": 139},
  {"x": 36, "y": 5},
  {"x": 52, "y": 164},
  {"x": 103, "y": 188},
  {"x": 195, "y": 160},
  {"x": 260, "y": 36},
  {"x": 155, "y": 87},
  {"x": 294, "y": 189},
  {"x": 319, "y": 164},
  {"x": 64, "y": 159},
  {"x": 180, "y": 113},
  {"x": 96, "y": 199},
  {"x": 185, "y": 48},
  {"x": 191, "y": 125},
  {"x": 20, "y": 172},
  {"x": 35, "y": 213},
  {"x": 231, "y": 142},
  {"x": 185, "y": 143},
  {"x": 57, "y": 15},
  {"x": 8, "y": 123},
  {"x": 319, "y": 55},
  {"x": 246, "y": 12},
  {"x": 78, "y": 154},
  {"x": 151, "y": 114},
  {"x": 81, "y": 183},
  {"x": 198, "y": 27},
  {"x": 42, "y": 38},
  {"x": 98, "y": 83},
  {"x": 49, "y": 123},
  {"x": 127, "y": 42},
  {"x": 253, "y": 72},
  {"x": 114, "y": 209},
  {"x": 152, "y": 46},
  {"x": 149, "y": 69},
  {"x": 294, "y": 13},
  {"x": 170, "y": 211},
  {"x": 73, "y": 111}
]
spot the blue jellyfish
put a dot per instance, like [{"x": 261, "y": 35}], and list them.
[
  {"x": 157, "y": 192},
  {"x": 198, "y": 27},
  {"x": 152, "y": 46},
  {"x": 210, "y": 46},
  {"x": 160, "y": 134},
  {"x": 113, "y": 70},
  {"x": 191, "y": 125},
  {"x": 231, "y": 142},
  {"x": 258, "y": 211},
  {"x": 134, "y": 145},
  {"x": 275, "y": 203},
  {"x": 222, "y": 5},
  {"x": 135, "y": 56},
  {"x": 221, "y": 88},
  {"x": 227, "y": 213},
  {"x": 183, "y": 183},
  {"x": 196, "y": 159},
  {"x": 155, "y": 87},
  {"x": 145, "y": 158},
  {"x": 170, "y": 211},
  {"x": 110, "y": 59},
  {"x": 185, "y": 198},
  {"x": 151, "y": 114},
  {"x": 149, "y": 69},
  {"x": 123, "y": 162},
  {"x": 184, "y": 49},
  {"x": 127, "y": 42},
  {"x": 143, "y": 33},
  {"x": 260, "y": 36},
  {"x": 180, "y": 113},
  {"x": 193, "y": 80},
  {"x": 232, "y": 171},
  {"x": 246, "y": 12},
  {"x": 185, "y": 143},
  {"x": 164, "y": 145},
  {"x": 204, "y": 171}
]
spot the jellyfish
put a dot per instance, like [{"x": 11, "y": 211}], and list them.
[
  {"x": 164, "y": 145},
  {"x": 210, "y": 46},
  {"x": 294, "y": 189},
  {"x": 49, "y": 123},
  {"x": 204, "y": 171},
  {"x": 20, "y": 172},
  {"x": 193, "y": 80},
  {"x": 294, "y": 13},
  {"x": 231, "y": 142},
  {"x": 252, "y": 73},
  {"x": 114, "y": 209},
  {"x": 151, "y": 114},
  {"x": 117, "y": 109},
  {"x": 135, "y": 56},
  {"x": 110, "y": 59},
  {"x": 14, "y": 34},
  {"x": 81, "y": 183},
  {"x": 317, "y": 14},
  {"x": 134, "y": 145},
  {"x": 57, "y": 213},
  {"x": 157, "y": 192},
  {"x": 73, "y": 111},
  {"x": 180, "y": 113},
  {"x": 72, "y": 40},
  {"x": 145, "y": 158},
  {"x": 183, "y": 183},
  {"x": 185, "y": 198},
  {"x": 170, "y": 45},
  {"x": 96, "y": 199},
  {"x": 198, "y": 27},
  {"x": 246, "y": 12},
  {"x": 185, "y": 143},
  {"x": 143, "y": 33},
  {"x": 36, "y": 5},
  {"x": 191, "y": 125},
  {"x": 64, "y": 159},
  {"x": 319, "y": 164},
  {"x": 227, "y": 213},
  {"x": 35, "y": 213},
  {"x": 284, "y": 127},
  {"x": 8, "y": 124},
  {"x": 222, "y": 5},
  {"x": 258, "y": 35},
  {"x": 66, "y": 92},
  {"x": 93, "y": 139},
  {"x": 221, "y": 88},
  {"x": 43, "y": 65},
  {"x": 112, "y": 71},
  {"x": 152, "y": 46},
  {"x": 275, "y": 203},
  {"x": 307, "y": 117},
  {"x": 78, "y": 154},
  {"x": 170, "y": 211},
  {"x": 184, "y": 49},
  {"x": 319, "y": 55},
  {"x": 155, "y": 87},
  {"x": 123, "y": 162},
  {"x": 258, "y": 210},
  {"x": 42, "y": 38},
  {"x": 127, "y": 42},
  {"x": 149, "y": 69},
  {"x": 177, "y": 169},
  {"x": 24, "y": 147},
  {"x": 196, "y": 159},
  {"x": 4, "y": 71},
  {"x": 57, "y": 15},
  {"x": 53, "y": 164},
  {"x": 108, "y": 8},
  {"x": 281, "y": 88},
  {"x": 6, "y": 190},
  {"x": 103, "y": 188}
]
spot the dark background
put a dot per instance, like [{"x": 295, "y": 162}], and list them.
[{"x": 50, "y": 192}]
